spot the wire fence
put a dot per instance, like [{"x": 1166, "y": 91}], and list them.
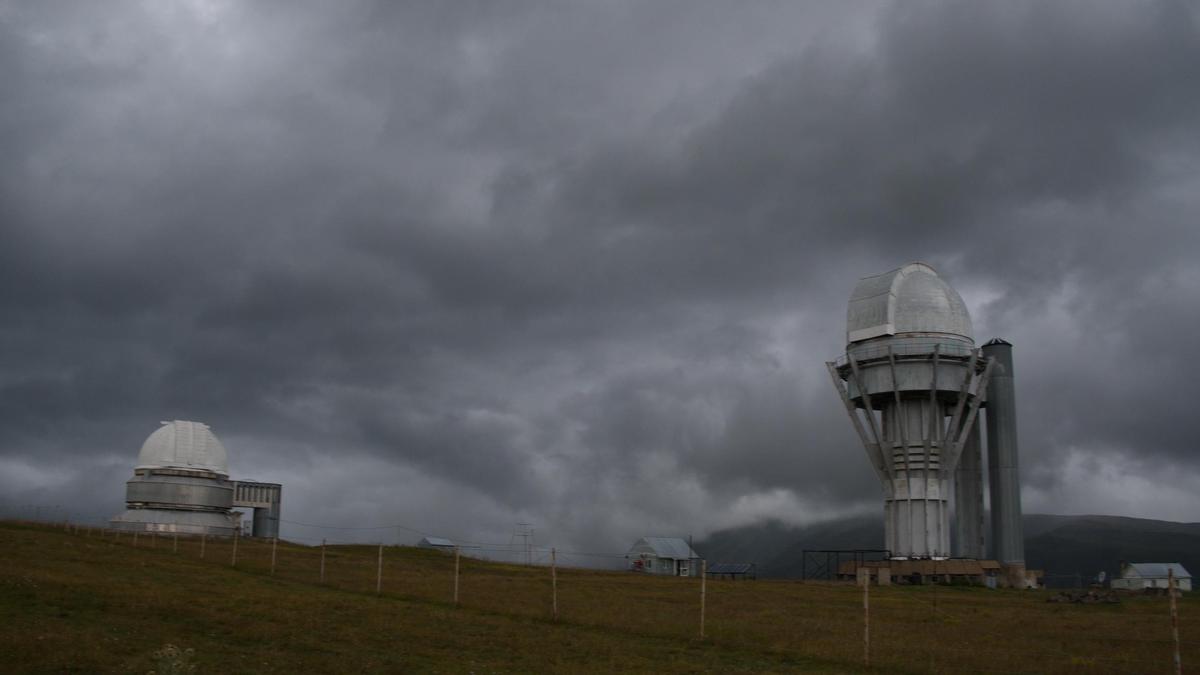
[
  {"x": 505, "y": 552},
  {"x": 314, "y": 533},
  {"x": 926, "y": 628}
]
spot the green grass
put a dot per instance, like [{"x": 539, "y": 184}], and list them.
[{"x": 77, "y": 603}]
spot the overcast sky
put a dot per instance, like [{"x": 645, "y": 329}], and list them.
[{"x": 460, "y": 265}]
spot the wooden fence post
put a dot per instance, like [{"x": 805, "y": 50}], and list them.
[
  {"x": 703, "y": 593},
  {"x": 322, "y": 561},
  {"x": 379, "y": 572},
  {"x": 554, "y": 582},
  {"x": 274, "y": 545},
  {"x": 1172, "y": 589},
  {"x": 867, "y": 623},
  {"x": 203, "y": 541},
  {"x": 456, "y": 576},
  {"x": 153, "y": 539},
  {"x": 233, "y": 561},
  {"x": 135, "y": 534},
  {"x": 175, "y": 543}
]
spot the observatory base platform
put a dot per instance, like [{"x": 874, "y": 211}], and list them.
[
  {"x": 169, "y": 520},
  {"x": 951, "y": 571}
]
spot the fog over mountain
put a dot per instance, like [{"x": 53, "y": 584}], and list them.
[
  {"x": 1069, "y": 551},
  {"x": 461, "y": 265}
]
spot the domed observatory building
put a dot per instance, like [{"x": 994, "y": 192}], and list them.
[
  {"x": 180, "y": 484},
  {"x": 913, "y": 381}
]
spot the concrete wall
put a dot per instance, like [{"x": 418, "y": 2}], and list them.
[{"x": 1138, "y": 583}]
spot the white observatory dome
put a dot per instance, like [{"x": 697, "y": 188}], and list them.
[
  {"x": 911, "y": 299},
  {"x": 184, "y": 445}
]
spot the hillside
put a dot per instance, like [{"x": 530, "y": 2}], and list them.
[
  {"x": 84, "y": 601},
  {"x": 1062, "y": 545},
  {"x": 88, "y": 603},
  {"x": 1088, "y": 544}
]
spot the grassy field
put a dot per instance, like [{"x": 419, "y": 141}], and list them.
[{"x": 84, "y": 602}]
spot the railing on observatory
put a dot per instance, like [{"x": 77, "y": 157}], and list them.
[{"x": 923, "y": 349}]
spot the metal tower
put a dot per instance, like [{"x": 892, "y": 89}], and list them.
[
  {"x": 912, "y": 382},
  {"x": 524, "y": 532},
  {"x": 1008, "y": 537}
]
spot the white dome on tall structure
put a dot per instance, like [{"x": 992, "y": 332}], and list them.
[
  {"x": 914, "y": 385},
  {"x": 909, "y": 300},
  {"x": 184, "y": 445},
  {"x": 912, "y": 382}
]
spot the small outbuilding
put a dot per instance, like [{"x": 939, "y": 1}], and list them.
[
  {"x": 1139, "y": 576},
  {"x": 667, "y": 556},
  {"x": 927, "y": 571},
  {"x": 437, "y": 543}
]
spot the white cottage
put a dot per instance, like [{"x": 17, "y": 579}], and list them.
[
  {"x": 437, "y": 543},
  {"x": 1137, "y": 576},
  {"x": 668, "y": 556}
]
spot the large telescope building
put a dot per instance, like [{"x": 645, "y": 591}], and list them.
[
  {"x": 915, "y": 385},
  {"x": 181, "y": 484}
]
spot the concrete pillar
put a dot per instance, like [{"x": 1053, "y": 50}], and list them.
[
  {"x": 917, "y": 518},
  {"x": 862, "y": 576},
  {"x": 1014, "y": 575},
  {"x": 968, "y": 499}
]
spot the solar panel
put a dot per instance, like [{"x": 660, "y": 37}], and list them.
[{"x": 730, "y": 568}]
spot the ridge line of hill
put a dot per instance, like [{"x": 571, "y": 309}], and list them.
[{"x": 1069, "y": 546}]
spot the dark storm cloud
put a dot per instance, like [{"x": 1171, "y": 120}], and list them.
[{"x": 580, "y": 266}]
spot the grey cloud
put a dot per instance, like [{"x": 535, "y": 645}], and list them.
[{"x": 581, "y": 263}]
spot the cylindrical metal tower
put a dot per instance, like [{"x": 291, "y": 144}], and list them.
[
  {"x": 912, "y": 382},
  {"x": 1008, "y": 537}
]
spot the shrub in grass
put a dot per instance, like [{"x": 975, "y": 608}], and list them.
[{"x": 172, "y": 660}]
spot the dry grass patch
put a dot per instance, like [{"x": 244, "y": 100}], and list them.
[{"x": 88, "y": 604}]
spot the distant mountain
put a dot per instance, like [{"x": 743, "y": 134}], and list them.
[
  {"x": 777, "y": 548},
  {"x": 1087, "y": 544},
  {"x": 1063, "y": 546}
]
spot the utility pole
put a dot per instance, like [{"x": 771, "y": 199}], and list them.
[{"x": 524, "y": 532}]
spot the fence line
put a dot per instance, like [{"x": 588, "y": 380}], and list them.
[
  {"x": 255, "y": 550},
  {"x": 542, "y": 553},
  {"x": 379, "y": 573},
  {"x": 996, "y": 637},
  {"x": 1172, "y": 590},
  {"x": 866, "y": 586}
]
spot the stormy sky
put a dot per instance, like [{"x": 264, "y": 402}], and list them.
[{"x": 462, "y": 265}]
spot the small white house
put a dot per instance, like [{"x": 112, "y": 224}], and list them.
[
  {"x": 1137, "y": 576},
  {"x": 667, "y": 556},
  {"x": 437, "y": 543}
]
